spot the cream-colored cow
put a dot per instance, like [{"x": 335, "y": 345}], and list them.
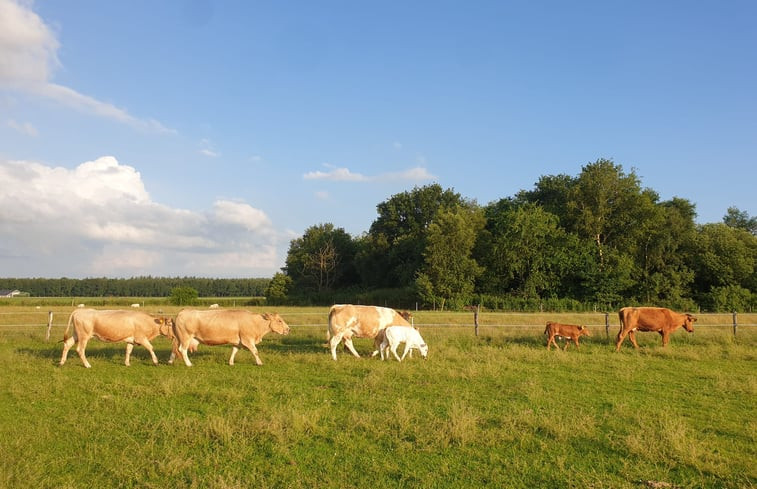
[
  {"x": 133, "y": 327},
  {"x": 225, "y": 327},
  {"x": 346, "y": 321}
]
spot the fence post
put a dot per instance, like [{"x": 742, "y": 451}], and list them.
[
  {"x": 49, "y": 324},
  {"x": 735, "y": 322},
  {"x": 607, "y": 325},
  {"x": 475, "y": 318}
]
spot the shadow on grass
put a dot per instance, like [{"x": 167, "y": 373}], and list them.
[{"x": 115, "y": 353}]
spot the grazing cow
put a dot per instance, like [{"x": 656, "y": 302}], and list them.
[
  {"x": 394, "y": 335},
  {"x": 346, "y": 321},
  {"x": 659, "y": 319},
  {"x": 225, "y": 327},
  {"x": 380, "y": 335},
  {"x": 133, "y": 327},
  {"x": 567, "y": 331},
  {"x": 213, "y": 306},
  {"x": 135, "y": 305}
]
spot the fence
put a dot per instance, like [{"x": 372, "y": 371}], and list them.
[{"x": 45, "y": 320}]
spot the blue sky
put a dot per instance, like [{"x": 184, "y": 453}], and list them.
[{"x": 198, "y": 137}]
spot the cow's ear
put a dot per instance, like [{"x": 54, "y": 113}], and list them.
[{"x": 266, "y": 316}]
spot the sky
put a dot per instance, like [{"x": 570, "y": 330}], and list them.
[{"x": 199, "y": 137}]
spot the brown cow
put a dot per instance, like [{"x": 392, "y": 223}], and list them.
[
  {"x": 346, "y": 321},
  {"x": 133, "y": 327},
  {"x": 567, "y": 331},
  {"x": 225, "y": 327},
  {"x": 659, "y": 319}
]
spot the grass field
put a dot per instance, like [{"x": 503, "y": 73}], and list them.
[{"x": 496, "y": 410}]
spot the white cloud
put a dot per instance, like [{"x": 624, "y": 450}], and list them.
[
  {"x": 28, "y": 58},
  {"x": 25, "y": 128},
  {"x": 417, "y": 174},
  {"x": 337, "y": 174},
  {"x": 99, "y": 220}
]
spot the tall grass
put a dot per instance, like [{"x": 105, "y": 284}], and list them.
[{"x": 496, "y": 410}]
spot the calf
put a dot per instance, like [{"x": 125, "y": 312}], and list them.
[
  {"x": 394, "y": 335},
  {"x": 567, "y": 331}
]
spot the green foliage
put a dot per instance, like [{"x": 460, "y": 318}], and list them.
[
  {"x": 731, "y": 298},
  {"x": 278, "y": 289},
  {"x": 322, "y": 259},
  {"x": 183, "y": 296},
  {"x": 739, "y": 219},
  {"x": 449, "y": 271}
]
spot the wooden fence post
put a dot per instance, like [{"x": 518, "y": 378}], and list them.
[
  {"x": 607, "y": 325},
  {"x": 735, "y": 322},
  {"x": 475, "y": 318},
  {"x": 49, "y": 324}
]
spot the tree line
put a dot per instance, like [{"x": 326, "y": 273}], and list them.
[
  {"x": 136, "y": 286},
  {"x": 598, "y": 239}
]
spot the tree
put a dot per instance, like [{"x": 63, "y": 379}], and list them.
[
  {"x": 736, "y": 218},
  {"x": 724, "y": 256},
  {"x": 449, "y": 272},
  {"x": 184, "y": 296},
  {"x": 278, "y": 289},
  {"x": 397, "y": 238},
  {"x": 523, "y": 250},
  {"x": 322, "y": 259}
]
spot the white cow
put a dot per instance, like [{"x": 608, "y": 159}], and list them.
[
  {"x": 347, "y": 320},
  {"x": 394, "y": 335}
]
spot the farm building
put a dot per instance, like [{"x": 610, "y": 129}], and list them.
[{"x": 9, "y": 293}]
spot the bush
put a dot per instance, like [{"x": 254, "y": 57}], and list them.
[{"x": 184, "y": 296}]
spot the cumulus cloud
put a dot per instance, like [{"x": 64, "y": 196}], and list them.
[
  {"x": 417, "y": 174},
  {"x": 28, "y": 58},
  {"x": 99, "y": 220}
]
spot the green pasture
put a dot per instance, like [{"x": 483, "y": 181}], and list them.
[{"x": 497, "y": 410}]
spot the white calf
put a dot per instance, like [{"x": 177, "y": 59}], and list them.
[{"x": 394, "y": 335}]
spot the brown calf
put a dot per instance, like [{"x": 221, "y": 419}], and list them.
[{"x": 567, "y": 331}]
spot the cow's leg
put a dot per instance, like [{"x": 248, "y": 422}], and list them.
[
  {"x": 67, "y": 344},
  {"x": 129, "y": 348},
  {"x": 665, "y": 338},
  {"x": 250, "y": 344},
  {"x": 334, "y": 342},
  {"x": 408, "y": 349},
  {"x": 621, "y": 336},
  {"x": 148, "y": 346},
  {"x": 393, "y": 348},
  {"x": 80, "y": 349},
  {"x": 632, "y": 337},
  {"x": 567, "y": 342},
  {"x": 234, "y": 350},
  {"x": 350, "y": 346},
  {"x": 184, "y": 355}
]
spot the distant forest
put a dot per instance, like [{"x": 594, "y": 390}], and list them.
[{"x": 135, "y": 287}]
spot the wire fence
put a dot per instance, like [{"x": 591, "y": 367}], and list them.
[{"x": 496, "y": 320}]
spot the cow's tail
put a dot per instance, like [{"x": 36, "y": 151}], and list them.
[
  {"x": 70, "y": 320},
  {"x": 546, "y": 328}
]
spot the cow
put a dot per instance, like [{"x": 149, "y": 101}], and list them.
[
  {"x": 135, "y": 305},
  {"x": 394, "y": 335},
  {"x": 347, "y": 320},
  {"x": 380, "y": 335},
  {"x": 567, "y": 331},
  {"x": 213, "y": 306},
  {"x": 659, "y": 319},
  {"x": 133, "y": 327},
  {"x": 225, "y": 327}
]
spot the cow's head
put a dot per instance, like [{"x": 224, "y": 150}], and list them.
[
  {"x": 688, "y": 323},
  {"x": 423, "y": 348},
  {"x": 276, "y": 324},
  {"x": 165, "y": 326},
  {"x": 583, "y": 331}
]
